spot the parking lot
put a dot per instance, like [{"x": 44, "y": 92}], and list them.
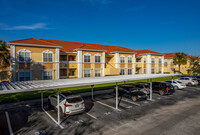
[{"x": 170, "y": 114}]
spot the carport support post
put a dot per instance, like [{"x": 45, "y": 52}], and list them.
[
  {"x": 92, "y": 91},
  {"x": 116, "y": 96},
  {"x": 58, "y": 104},
  {"x": 150, "y": 89},
  {"x": 172, "y": 79},
  {"x": 42, "y": 99}
]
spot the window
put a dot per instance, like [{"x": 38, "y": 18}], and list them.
[
  {"x": 159, "y": 60},
  {"x": 171, "y": 62},
  {"x": 166, "y": 62},
  {"x": 24, "y": 55},
  {"x": 122, "y": 71},
  {"x": 72, "y": 58},
  {"x": 153, "y": 60},
  {"x": 144, "y": 60},
  {"x": 138, "y": 59},
  {"x": 73, "y": 73},
  {"x": 47, "y": 75},
  {"x": 24, "y": 75},
  {"x": 87, "y": 73},
  {"x": 97, "y": 59},
  {"x": 129, "y": 59},
  {"x": 122, "y": 59},
  {"x": 47, "y": 56},
  {"x": 129, "y": 71},
  {"x": 144, "y": 70},
  {"x": 153, "y": 71},
  {"x": 97, "y": 72},
  {"x": 159, "y": 70},
  {"x": 87, "y": 58}
]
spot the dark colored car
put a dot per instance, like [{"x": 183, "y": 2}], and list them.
[
  {"x": 198, "y": 79},
  {"x": 132, "y": 92},
  {"x": 142, "y": 87},
  {"x": 162, "y": 88}
]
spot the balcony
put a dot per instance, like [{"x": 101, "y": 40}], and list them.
[{"x": 70, "y": 65}]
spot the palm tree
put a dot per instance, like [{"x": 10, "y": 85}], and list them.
[
  {"x": 4, "y": 55},
  {"x": 180, "y": 59}
]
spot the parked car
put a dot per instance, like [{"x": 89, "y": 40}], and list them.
[
  {"x": 162, "y": 88},
  {"x": 142, "y": 87},
  {"x": 70, "y": 103},
  {"x": 132, "y": 92},
  {"x": 190, "y": 81},
  {"x": 198, "y": 79},
  {"x": 177, "y": 84}
]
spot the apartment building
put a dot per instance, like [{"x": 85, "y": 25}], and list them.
[{"x": 45, "y": 59}]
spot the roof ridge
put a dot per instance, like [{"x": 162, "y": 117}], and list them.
[{"x": 46, "y": 42}]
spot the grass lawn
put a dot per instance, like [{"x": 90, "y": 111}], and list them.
[{"x": 8, "y": 98}]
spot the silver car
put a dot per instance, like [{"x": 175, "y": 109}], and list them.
[
  {"x": 190, "y": 81},
  {"x": 69, "y": 103},
  {"x": 177, "y": 84}
]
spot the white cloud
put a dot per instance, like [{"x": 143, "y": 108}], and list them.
[{"x": 24, "y": 27}]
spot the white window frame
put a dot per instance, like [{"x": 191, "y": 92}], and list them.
[
  {"x": 124, "y": 71},
  {"x": 171, "y": 62},
  {"x": 128, "y": 61},
  {"x": 48, "y": 71},
  {"x": 95, "y": 72},
  {"x": 47, "y": 51},
  {"x": 122, "y": 56},
  {"x": 153, "y": 70},
  {"x": 144, "y": 60},
  {"x": 165, "y": 62},
  {"x": 159, "y": 60},
  {"x": 84, "y": 73},
  {"x": 153, "y": 60},
  {"x": 95, "y": 58},
  {"x": 131, "y": 71},
  {"x": 87, "y": 54},
  {"x": 24, "y": 71},
  {"x": 24, "y": 51}
]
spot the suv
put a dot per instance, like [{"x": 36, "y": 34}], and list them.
[
  {"x": 69, "y": 103},
  {"x": 131, "y": 92},
  {"x": 142, "y": 87},
  {"x": 177, "y": 84},
  {"x": 190, "y": 81},
  {"x": 162, "y": 88}
]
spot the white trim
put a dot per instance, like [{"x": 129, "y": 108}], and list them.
[
  {"x": 25, "y": 70},
  {"x": 87, "y": 54},
  {"x": 159, "y": 58},
  {"x": 48, "y": 70},
  {"x": 84, "y": 72},
  {"x": 57, "y": 63},
  {"x": 97, "y": 55},
  {"x": 103, "y": 63},
  {"x": 133, "y": 64},
  {"x": 124, "y": 52},
  {"x": 148, "y": 71},
  {"x": 97, "y": 69},
  {"x": 131, "y": 71},
  {"x": 116, "y": 60},
  {"x": 47, "y": 51},
  {"x": 80, "y": 59},
  {"x": 124, "y": 71},
  {"x": 24, "y": 50},
  {"x": 13, "y": 60},
  {"x": 122, "y": 56},
  {"x": 131, "y": 59},
  {"x": 90, "y": 50},
  {"x": 50, "y": 46}
]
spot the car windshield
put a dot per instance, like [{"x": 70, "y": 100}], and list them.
[
  {"x": 179, "y": 82},
  {"x": 194, "y": 79},
  {"x": 74, "y": 99}
]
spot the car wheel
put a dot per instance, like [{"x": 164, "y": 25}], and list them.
[
  {"x": 161, "y": 92},
  {"x": 49, "y": 105},
  {"x": 134, "y": 98},
  {"x": 175, "y": 87},
  {"x": 189, "y": 84},
  {"x": 61, "y": 113}
]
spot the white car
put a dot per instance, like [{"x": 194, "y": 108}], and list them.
[
  {"x": 188, "y": 81},
  {"x": 177, "y": 84},
  {"x": 69, "y": 103}
]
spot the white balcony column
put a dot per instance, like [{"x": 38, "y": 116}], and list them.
[
  {"x": 13, "y": 62},
  {"x": 116, "y": 60},
  {"x": 148, "y": 64},
  {"x": 133, "y": 61},
  {"x": 103, "y": 62},
  {"x": 57, "y": 63},
  {"x": 162, "y": 70},
  {"x": 79, "y": 52}
]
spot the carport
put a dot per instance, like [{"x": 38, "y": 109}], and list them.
[{"x": 16, "y": 87}]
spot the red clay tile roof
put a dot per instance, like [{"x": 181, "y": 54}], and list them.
[
  {"x": 146, "y": 51},
  {"x": 171, "y": 55},
  {"x": 33, "y": 41},
  {"x": 69, "y": 46}
]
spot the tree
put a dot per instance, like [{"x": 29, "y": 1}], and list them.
[
  {"x": 180, "y": 59},
  {"x": 195, "y": 63},
  {"x": 4, "y": 55}
]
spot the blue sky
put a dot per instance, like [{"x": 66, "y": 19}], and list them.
[{"x": 159, "y": 25}]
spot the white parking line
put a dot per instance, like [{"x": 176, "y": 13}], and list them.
[
  {"x": 107, "y": 105},
  {"x": 131, "y": 102},
  {"x": 91, "y": 116},
  {"x": 9, "y": 125}
]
